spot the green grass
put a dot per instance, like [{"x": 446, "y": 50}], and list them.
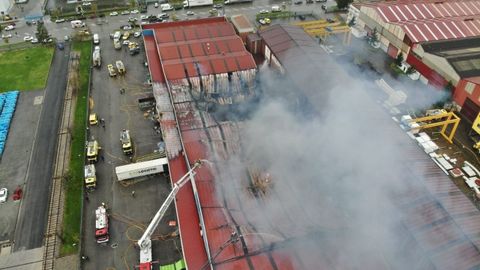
[
  {"x": 275, "y": 15},
  {"x": 25, "y": 69},
  {"x": 74, "y": 184}
]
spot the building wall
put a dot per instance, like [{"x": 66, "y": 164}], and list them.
[
  {"x": 433, "y": 77},
  {"x": 466, "y": 89}
]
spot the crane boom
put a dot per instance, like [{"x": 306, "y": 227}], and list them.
[{"x": 144, "y": 242}]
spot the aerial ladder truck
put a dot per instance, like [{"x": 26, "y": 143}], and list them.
[{"x": 145, "y": 243}]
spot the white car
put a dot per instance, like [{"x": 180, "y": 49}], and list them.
[
  {"x": 125, "y": 12},
  {"x": 135, "y": 11},
  {"x": 126, "y": 27},
  {"x": 114, "y": 13},
  {"x": 59, "y": 20},
  {"x": 7, "y": 36},
  {"x": 190, "y": 13},
  {"x": 137, "y": 34},
  {"x": 3, "y": 195},
  {"x": 156, "y": 5},
  {"x": 86, "y": 4},
  {"x": 126, "y": 43},
  {"x": 9, "y": 27},
  {"x": 34, "y": 41},
  {"x": 263, "y": 11},
  {"x": 27, "y": 38}
]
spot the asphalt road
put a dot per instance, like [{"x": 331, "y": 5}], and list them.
[{"x": 30, "y": 227}]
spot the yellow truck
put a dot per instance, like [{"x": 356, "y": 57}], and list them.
[
  {"x": 126, "y": 141},
  {"x": 92, "y": 151},
  {"x": 111, "y": 70},
  {"x": 90, "y": 177},
  {"x": 120, "y": 67}
]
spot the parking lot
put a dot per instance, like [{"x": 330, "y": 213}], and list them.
[{"x": 129, "y": 215}]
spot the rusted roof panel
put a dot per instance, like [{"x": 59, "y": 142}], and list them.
[
  {"x": 196, "y": 49},
  {"x": 218, "y": 66},
  {"x": 231, "y": 64},
  {"x": 174, "y": 71},
  {"x": 245, "y": 62},
  {"x": 235, "y": 46},
  {"x": 167, "y": 53},
  {"x": 178, "y": 35},
  {"x": 190, "y": 33},
  {"x": 202, "y": 32},
  {"x": 191, "y": 69},
  {"x": 222, "y": 46},
  {"x": 184, "y": 51},
  {"x": 163, "y": 36}
]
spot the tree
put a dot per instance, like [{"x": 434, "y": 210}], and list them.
[
  {"x": 133, "y": 3},
  {"x": 399, "y": 59},
  {"x": 42, "y": 32},
  {"x": 94, "y": 8},
  {"x": 342, "y": 4}
]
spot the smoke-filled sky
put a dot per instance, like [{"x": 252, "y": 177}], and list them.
[{"x": 334, "y": 165}]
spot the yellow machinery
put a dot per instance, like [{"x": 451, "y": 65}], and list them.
[
  {"x": 126, "y": 141},
  {"x": 476, "y": 135},
  {"x": 92, "y": 151},
  {"x": 90, "y": 177},
  {"x": 323, "y": 29},
  {"x": 443, "y": 119}
]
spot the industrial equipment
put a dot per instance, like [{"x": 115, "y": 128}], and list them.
[
  {"x": 90, "y": 177},
  {"x": 126, "y": 140},
  {"x": 260, "y": 181},
  {"x": 92, "y": 151},
  {"x": 475, "y": 133},
  {"x": 145, "y": 242},
  {"x": 444, "y": 120},
  {"x": 101, "y": 224}
]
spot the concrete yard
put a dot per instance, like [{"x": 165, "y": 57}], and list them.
[
  {"x": 129, "y": 215},
  {"x": 16, "y": 158}
]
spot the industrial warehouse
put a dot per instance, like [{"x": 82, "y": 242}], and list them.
[
  {"x": 219, "y": 212},
  {"x": 309, "y": 134}
]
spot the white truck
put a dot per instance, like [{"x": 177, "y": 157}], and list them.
[
  {"x": 228, "y": 2},
  {"x": 96, "y": 39},
  {"x": 97, "y": 58},
  {"x": 90, "y": 177},
  {"x": 101, "y": 225},
  {"x": 77, "y": 24},
  {"x": 197, "y": 3},
  {"x": 134, "y": 170},
  {"x": 166, "y": 7}
]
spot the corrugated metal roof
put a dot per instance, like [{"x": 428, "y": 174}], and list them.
[
  {"x": 242, "y": 24},
  {"x": 203, "y": 41},
  {"x": 432, "y": 20}
]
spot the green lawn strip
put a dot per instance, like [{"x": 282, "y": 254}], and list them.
[
  {"x": 275, "y": 15},
  {"x": 74, "y": 184},
  {"x": 25, "y": 69}
]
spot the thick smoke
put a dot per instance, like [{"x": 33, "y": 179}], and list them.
[{"x": 335, "y": 170}]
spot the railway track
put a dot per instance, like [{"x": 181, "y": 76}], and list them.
[{"x": 61, "y": 164}]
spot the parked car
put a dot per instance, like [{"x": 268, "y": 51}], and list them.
[
  {"x": 7, "y": 36},
  {"x": 126, "y": 27},
  {"x": 3, "y": 195},
  {"x": 267, "y": 20},
  {"x": 298, "y": 2},
  {"x": 309, "y": 1},
  {"x": 137, "y": 34},
  {"x": 27, "y": 38},
  {"x": 59, "y": 20},
  {"x": 217, "y": 6},
  {"x": 144, "y": 17},
  {"x": 321, "y": 1},
  {"x": 163, "y": 16},
  {"x": 132, "y": 19},
  {"x": 330, "y": 20},
  {"x": 126, "y": 43},
  {"x": 190, "y": 13},
  {"x": 9, "y": 27},
  {"x": 34, "y": 41},
  {"x": 156, "y": 5},
  {"x": 263, "y": 11},
  {"x": 135, "y": 11},
  {"x": 114, "y": 13},
  {"x": 60, "y": 46},
  {"x": 125, "y": 12}
]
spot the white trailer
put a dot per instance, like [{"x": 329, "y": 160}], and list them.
[
  {"x": 197, "y": 3},
  {"x": 97, "y": 60},
  {"x": 140, "y": 169}
]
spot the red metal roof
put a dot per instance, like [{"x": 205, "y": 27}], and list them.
[
  {"x": 427, "y": 20},
  {"x": 207, "y": 42}
]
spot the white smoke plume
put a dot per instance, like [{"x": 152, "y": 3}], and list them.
[{"x": 336, "y": 170}]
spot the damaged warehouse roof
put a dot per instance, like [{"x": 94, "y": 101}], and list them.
[{"x": 439, "y": 224}]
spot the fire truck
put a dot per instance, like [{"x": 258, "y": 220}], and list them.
[
  {"x": 126, "y": 141},
  {"x": 90, "y": 177},
  {"x": 101, "y": 224},
  {"x": 92, "y": 151}
]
